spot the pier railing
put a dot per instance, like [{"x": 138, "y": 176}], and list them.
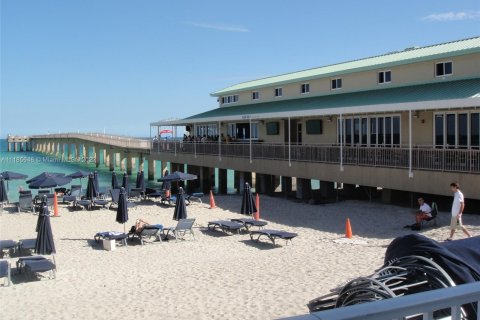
[
  {"x": 113, "y": 140},
  {"x": 423, "y": 158}
]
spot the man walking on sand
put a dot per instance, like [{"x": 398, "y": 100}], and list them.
[{"x": 457, "y": 209}]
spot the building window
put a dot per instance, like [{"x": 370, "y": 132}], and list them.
[
  {"x": 278, "y": 92},
  {"x": 457, "y": 130},
  {"x": 336, "y": 84},
  {"x": 255, "y": 95},
  {"x": 230, "y": 99},
  {"x": 384, "y": 77},
  {"x": 273, "y": 128},
  {"x": 443, "y": 69},
  {"x": 305, "y": 88},
  {"x": 373, "y": 131}
]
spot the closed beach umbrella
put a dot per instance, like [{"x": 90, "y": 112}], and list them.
[
  {"x": 3, "y": 191},
  {"x": 91, "y": 191},
  {"x": 125, "y": 182},
  {"x": 44, "y": 243},
  {"x": 140, "y": 181},
  {"x": 114, "y": 180},
  {"x": 248, "y": 203},
  {"x": 95, "y": 180},
  {"x": 180, "y": 207},
  {"x": 49, "y": 181},
  {"x": 45, "y": 174},
  {"x": 122, "y": 210}
]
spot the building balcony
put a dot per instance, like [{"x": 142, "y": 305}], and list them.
[{"x": 399, "y": 157}]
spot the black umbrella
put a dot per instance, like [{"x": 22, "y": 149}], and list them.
[
  {"x": 3, "y": 191},
  {"x": 248, "y": 203},
  {"x": 45, "y": 174},
  {"x": 91, "y": 191},
  {"x": 49, "y": 181},
  {"x": 140, "y": 181},
  {"x": 125, "y": 182},
  {"x": 178, "y": 176},
  {"x": 180, "y": 207},
  {"x": 44, "y": 243},
  {"x": 95, "y": 180},
  {"x": 79, "y": 174},
  {"x": 114, "y": 180},
  {"x": 122, "y": 209}
]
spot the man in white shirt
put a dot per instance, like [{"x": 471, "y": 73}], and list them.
[
  {"x": 424, "y": 212},
  {"x": 458, "y": 206}
]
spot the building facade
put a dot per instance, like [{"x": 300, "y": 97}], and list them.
[{"x": 406, "y": 120}]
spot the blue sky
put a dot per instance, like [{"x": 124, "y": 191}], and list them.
[{"x": 90, "y": 65}]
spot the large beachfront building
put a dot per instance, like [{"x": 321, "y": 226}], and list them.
[{"x": 407, "y": 120}]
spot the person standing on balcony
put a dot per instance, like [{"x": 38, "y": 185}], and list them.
[{"x": 458, "y": 206}]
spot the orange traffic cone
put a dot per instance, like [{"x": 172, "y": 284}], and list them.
[
  {"x": 55, "y": 205},
  {"x": 212, "y": 201},
  {"x": 348, "y": 229},
  {"x": 256, "y": 215}
]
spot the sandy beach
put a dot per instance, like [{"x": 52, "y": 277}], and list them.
[{"x": 218, "y": 276}]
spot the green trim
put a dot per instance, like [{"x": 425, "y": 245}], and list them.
[
  {"x": 445, "y": 90},
  {"x": 439, "y": 51}
]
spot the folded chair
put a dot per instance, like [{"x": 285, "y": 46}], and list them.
[
  {"x": 148, "y": 231},
  {"x": 183, "y": 227},
  {"x": 5, "y": 272}
]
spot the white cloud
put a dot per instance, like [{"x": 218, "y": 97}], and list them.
[
  {"x": 453, "y": 16},
  {"x": 219, "y": 27}
]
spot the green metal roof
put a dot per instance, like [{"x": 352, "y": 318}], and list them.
[
  {"x": 446, "y": 90},
  {"x": 409, "y": 55}
]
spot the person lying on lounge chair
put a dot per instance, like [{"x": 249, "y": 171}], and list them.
[
  {"x": 139, "y": 226},
  {"x": 423, "y": 212}
]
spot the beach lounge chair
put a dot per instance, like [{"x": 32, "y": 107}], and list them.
[
  {"x": 26, "y": 244},
  {"x": 195, "y": 197},
  {"x": 226, "y": 226},
  {"x": 7, "y": 246},
  {"x": 100, "y": 203},
  {"x": 152, "y": 193},
  {"x": 183, "y": 227},
  {"x": 272, "y": 235},
  {"x": 148, "y": 231},
  {"x": 433, "y": 219},
  {"x": 25, "y": 203},
  {"x": 74, "y": 194},
  {"x": 111, "y": 235},
  {"x": 36, "y": 264},
  {"x": 248, "y": 223},
  {"x": 85, "y": 203},
  {"x": 137, "y": 193},
  {"x": 5, "y": 272}
]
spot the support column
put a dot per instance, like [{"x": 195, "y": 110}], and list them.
[
  {"x": 141, "y": 162},
  {"x": 88, "y": 155},
  {"x": 222, "y": 181},
  {"x": 194, "y": 185},
  {"x": 206, "y": 182},
  {"x": 106, "y": 157},
  {"x": 151, "y": 168},
  {"x": 96, "y": 154},
  {"x": 286, "y": 186},
  {"x": 8, "y": 146},
  {"x": 78, "y": 155},
  {"x": 21, "y": 146},
  {"x": 69, "y": 151},
  {"x": 129, "y": 164},
  {"x": 112, "y": 157},
  {"x": 327, "y": 189},
  {"x": 304, "y": 189},
  {"x": 118, "y": 159}
]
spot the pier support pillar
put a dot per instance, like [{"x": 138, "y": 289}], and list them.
[
  {"x": 194, "y": 185},
  {"x": 8, "y": 146},
  {"x": 21, "y": 146},
  {"x": 286, "y": 186},
  {"x": 112, "y": 156},
  {"x": 122, "y": 161},
  {"x": 207, "y": 179},
  {"x": 151, "y": 168},
  {"x": 222, "y": 181},
  {"x": 304, "y": 188},
  {"x": 118, "y": 159},
  {"x": 69, "y": 151},
  {"x": 141, "y": 162},
  {"x": 96, "y": 154},
  {"x": 327, "y": 189},
  {"x": 129, "y": 164}
]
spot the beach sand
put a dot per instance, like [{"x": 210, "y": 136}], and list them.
[{"x": 217, "y": 276}]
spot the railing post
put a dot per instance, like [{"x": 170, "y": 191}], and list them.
[{"x": 289, "y": 145}]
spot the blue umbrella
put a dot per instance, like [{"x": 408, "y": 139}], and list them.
[
  {"x": 49, "y": 181},
  {"x": 248, "y": 203},
  {"x": 79, "y": 174},
  {"x": 180, "y": 207},
  {"x": 3, "y": 191},
  {"x": 91, "y": 191},
  {"x": 122, "y": 209},
  {"x": 44, "y": 243},
  {"x": 125, "y": 182},
  {"x": 45, "y": 174},
  {"x": 114, "y": 180},
  {"x": 140, "y": 181}
]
